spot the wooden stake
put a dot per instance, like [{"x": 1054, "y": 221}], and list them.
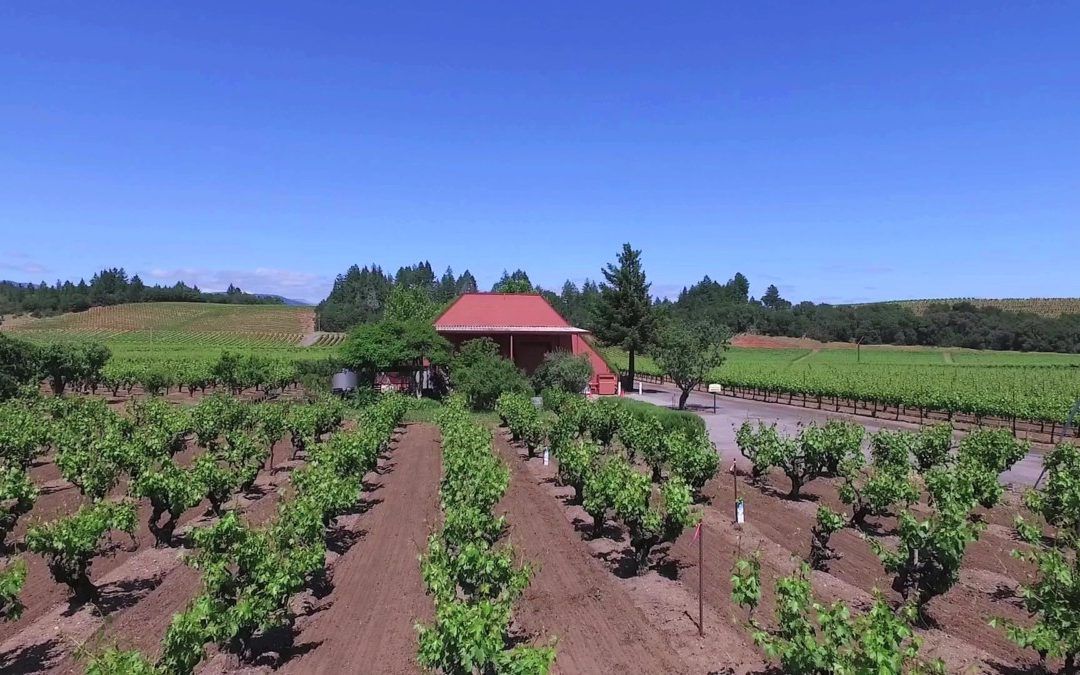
[{"x": 701, "y": 580}]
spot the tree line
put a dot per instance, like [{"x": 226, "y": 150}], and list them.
[
  {"x": 110, "y": 286},
  {"x": 362, "y": 295},
  {"x": 959, "y": 324}
]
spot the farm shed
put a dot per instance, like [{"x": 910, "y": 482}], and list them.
[{"x": 525, "y": 326}]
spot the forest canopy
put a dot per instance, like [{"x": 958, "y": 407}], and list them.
[{"x": 361, "y": 295}]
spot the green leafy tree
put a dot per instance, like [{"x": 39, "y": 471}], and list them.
[
  {"x": 746, "y": 582},
  {"x": 983, "y": 455},
  {"x": 601, "y": 487},
  {"x": 1053, "y": 602},
  {"x": 644, "y": 436},
  {"x": 17, "y": 496},
  {"x": 835, "y": 442},
  {"x": 63, "y": 363},
  {"x": 602, "y": 419},
  {"x": 1052, "y": 597},
  {"x": 93, "y": 450},
  {"x": 24, "y": 432},
  {"x": 692, "y": 457},
  {"x": 625, "y": 315},
  {"x": 801, "y": 463},
  {"x": 392, "y": 343},
  {"x": 518, "y": 282},
  {"x": 763, "y": 445},
  {"x": 876, "y": 492},
  {"x": 563, "y": 371},
  {"x": 410, "y": 304},
  {"x": 688, "y": 353},
  {"x": 575, "y": 461},
  {"x": 171, "y": 491},
  {"x": 1058, "y": 501}
]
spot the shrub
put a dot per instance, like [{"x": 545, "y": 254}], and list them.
[
  {"x": 12, "y": 578},
  {"x": 603, "y": 421},
  {"x": 1052, "y": 596},
  {"x": 814, "y": 639},
  {"x": 652, "y": 519},
  {"x": 1058, "y": 502},
  {"x": 575, "y": 462},
  {"x": 693, "y": 458},
  {"x": 481, "y": 374},
  {"x": 931, "y": 448},
  {"x": 70, "y": 544},
  {"x": 563, "y": 371},
  {"x": 18, "y": 365},
  {"x": 828, "y": 522},
  {"x": 929, "y": 552}
]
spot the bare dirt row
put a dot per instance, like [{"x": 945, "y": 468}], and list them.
[
  {"x": 373, "y": 560},
  {"x": 959, "y": 632}
]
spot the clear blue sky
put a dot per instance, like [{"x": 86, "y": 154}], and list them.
[{"x": 844, "y": 151}]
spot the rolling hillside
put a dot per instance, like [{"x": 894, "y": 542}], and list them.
[
  {"x": 1042, "y": 306},
  {"x": 177, "y": 323}
]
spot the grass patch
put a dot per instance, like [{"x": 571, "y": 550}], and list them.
[
  {"x": 671, "y": 420},
  {"x": 425, "y": 410}
]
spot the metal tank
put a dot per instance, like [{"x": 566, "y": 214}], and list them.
[{"x": 344, "y": 382}]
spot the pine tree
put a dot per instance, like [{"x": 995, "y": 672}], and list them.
[
  {"x": 466, "y": 283},
  {"x": 624, "y": 315}
]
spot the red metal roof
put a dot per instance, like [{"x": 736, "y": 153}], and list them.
[{"x": 502, "y": 312}]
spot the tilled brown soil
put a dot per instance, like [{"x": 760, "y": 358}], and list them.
[
  {"x": 366, "y": 625},
  {"x": 572, "y": 597},
  {"x": 604, "y": 621},
  {"x": 780, "y": 529}
]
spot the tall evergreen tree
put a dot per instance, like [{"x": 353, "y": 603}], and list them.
[
  {"x": 446, "y": 290},
  {"x": 740, "y": 287},
  {"x": 466, "y": 283},
  {"x": 624, "y": 315},
  {"x": 518, "y": 282}
]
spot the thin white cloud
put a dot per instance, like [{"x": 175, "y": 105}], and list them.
[
  {"x": 21, "y": 263},
  {"x": 666, "y": 291},
  {"x": 287, "y": 283}
]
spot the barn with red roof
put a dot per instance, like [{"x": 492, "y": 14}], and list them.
[{"x": 525, "y": 326}]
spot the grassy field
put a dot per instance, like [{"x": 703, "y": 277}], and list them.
[
  {"x": 1032, "y": 386},
  {"x": 184, "y": 331}
]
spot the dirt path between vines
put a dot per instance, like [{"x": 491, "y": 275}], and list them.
[
  {"x": 575, "y": 597},
  {"x": 366, "y": 624}
]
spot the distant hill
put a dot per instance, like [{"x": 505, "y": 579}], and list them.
[
  {"x": 194, "y": 323},
  {"x": 291, "y": 302},
  {"x": 1042, "y": 306}
]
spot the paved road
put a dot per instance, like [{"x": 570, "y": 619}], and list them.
[{"x": 732, "y": 412}]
